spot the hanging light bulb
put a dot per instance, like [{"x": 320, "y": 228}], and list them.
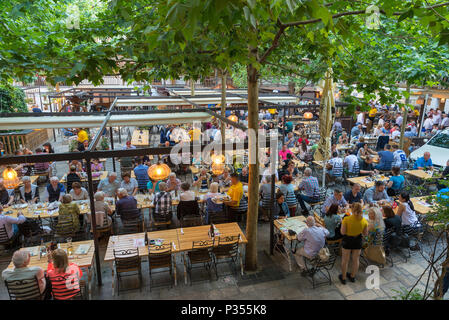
[
  {"x": 308, "y": 115},
  {"x": 233, "y": 117},
  {"x": 218, "y": 164},
  {"x": 10, "y": 179},
  {"x": 159, "y": 172}
]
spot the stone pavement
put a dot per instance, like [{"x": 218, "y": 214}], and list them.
[{"x": 271, "y": 281}]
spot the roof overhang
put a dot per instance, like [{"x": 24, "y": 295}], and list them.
[{"x": 95, "y": 121}]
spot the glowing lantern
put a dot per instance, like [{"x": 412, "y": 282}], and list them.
[
  {"x": 159, "y": 172},
  {"x": 218, "y": 164},
  {"x": 10, "y": 179},
  {"x": 308, "y": 115},
  {"x": 233, "y": 117}
]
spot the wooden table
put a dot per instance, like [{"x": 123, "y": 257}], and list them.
[
  {"x": 420, "y": 208},
  {"x": 319, "y": 163},
  {"x": 103, "y": 175},
  {"x": 376, "y": 158},
  {"x": 140, "y": 138},
  {"x": 344, "y": 146},
  {"x": 182, "y": 238},
  {"x": 288, "y": 240},
  {"x": 83, "y": 261},
  {"x": 421, "y": 174},
  {"x": 364, "y": 182}
]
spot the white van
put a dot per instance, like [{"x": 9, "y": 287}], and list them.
[{"x": 438, "y": 146}]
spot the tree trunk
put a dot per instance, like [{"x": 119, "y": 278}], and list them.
[
  {"x": 223, "y": 104},
  {"x": 192, "y": 88},
  {"x": 404, "y": 118},
  {"x": 253, "y": 181}
]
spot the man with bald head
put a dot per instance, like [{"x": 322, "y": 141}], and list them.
[
  {"x": 314, "y": 238},
  {"x": 424, "y": 162}
]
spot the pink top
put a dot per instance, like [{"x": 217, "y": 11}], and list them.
[{"x": 283, "y": 154}]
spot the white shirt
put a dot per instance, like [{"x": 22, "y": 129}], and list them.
[
  {"x": 395, "y": 134},
  {"x": 399, "y": 120},
  {"x": 350, "y": 160},
  {"x": 428, "y": 123},
  {"x": 399, "y": 156},
  {"x": 437, "y": 118},
  {"x": 445, "y": 122},
  {"x": 361, "y": 118},
  {"x": 381, "y": 122}
]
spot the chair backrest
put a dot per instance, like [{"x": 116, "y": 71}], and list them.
[
  {"x": 161, "y": 217},
  {"x": 126, "y": 260},
  {"x": 4, "y": 235},
  {"x": 188, "y": 208},
  {"x": 227, "y": 246},
  {"x": 27, "y": 289},
  {"x": 129, "y": 214},
  {"x": 64, "y": 228},
  {"x": 218, "y": 217},
  {"x": 200, "y": 251},
  {"x": 323, "y": 194},
  {"x": 318, "y": 219},
  {"x": 132, "y": 226},
  {"x": 160, "y": 256},
  {"x": 243, "y": 205},
  {"x": 31, "y": 227},
  {"x": 191, "y": 221}
]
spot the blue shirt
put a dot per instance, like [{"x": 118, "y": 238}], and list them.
[
  {"x": 36, "y": 110},
  {"x": 386, "y": 160},
  {"x": 398, "y": 182},
  {"x": 408, "y": 134},
  {"x": 141, "y": 172},
  {"x": 355, "y": 131},
  {"x": 421, "y": 162}
]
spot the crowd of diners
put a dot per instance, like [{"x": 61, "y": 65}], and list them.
[{"x": 342, "y": 213}]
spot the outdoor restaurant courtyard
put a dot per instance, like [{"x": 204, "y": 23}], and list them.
[{"x": 224, "y": 150}]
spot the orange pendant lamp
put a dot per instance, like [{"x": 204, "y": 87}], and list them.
[
  {"x": 308, "y": 115},
  {"x": 10, "y": 179},
  {"x": 233, "y": 117},
  {"x": 218, "y": 164},
  {"x": 159, "y": 172}
]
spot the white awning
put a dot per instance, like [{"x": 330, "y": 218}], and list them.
[
  {"x": 170, "y": 101},
  {"x": 88, "y": 121}
]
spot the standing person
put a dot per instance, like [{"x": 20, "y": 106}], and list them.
[
  {"x": 141, "y": 173},
  {"x": 353, "y": 228}
]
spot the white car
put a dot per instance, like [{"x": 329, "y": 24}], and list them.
[{"x": 438, "y": 146}]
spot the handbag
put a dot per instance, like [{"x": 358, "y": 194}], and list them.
[
  {"x": 324, "y": 254},
  {"x": 376, "y": 254}
]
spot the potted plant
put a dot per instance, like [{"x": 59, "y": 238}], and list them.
[{"x": 104, "y": 144}]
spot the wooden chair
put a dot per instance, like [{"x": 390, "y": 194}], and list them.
[
  {"x": 127, "y": 263},
  {"x": 227, "y": 250},
  {"x": 64, "y": 229},
  {"x": 132, "y": 226},
  {"x": 161, "y": 220},
  {"x": 27, "y": 289},
  {"x": 218, "y": 217},
  {"x": 318, "y": 219},
  {"x": 31, "y": 232},
  {"x": 105, "y": 229},
  {"x": 5, "y": 240},
  {"x": 200, "y": 254},
  {"x": 161, "y": 257}
]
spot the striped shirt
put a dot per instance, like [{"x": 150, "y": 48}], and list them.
[
  {"x": 337, "y": 166},
  {"x": 65, "y": 285},
  {"x": 289, "y": 193}
]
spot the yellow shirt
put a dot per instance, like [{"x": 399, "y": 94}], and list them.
[
  {"x": 236, "y": 192},
  {"x": 354, "y": 226},
  {"x": 272, "y": 111},
  {"x": 195, "y": 134},
  {"x": 416, "y": 111},
  {"x": 82, "y": 136},
  {"x": 372, "y": 112}
]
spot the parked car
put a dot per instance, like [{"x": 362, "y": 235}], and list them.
[{"x": 438, "y": 146}]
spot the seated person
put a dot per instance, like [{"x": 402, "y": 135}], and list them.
[
  {"x": 163, "y": 201},
  {"x": 130, "y": 184},
  {"x": 72, "y": 176},
  {"x": 202, "y": 179},
  {"x": 78, "y": 192},
  {"x": 186, "y": 193},
  {"x": 244, "y": 176},
  {"x": 424, "y": 163},
  {"x": 101, "y": 209},
  {"x": 173, "y": 183},
  {"x": 59, "y": 272},
  {"x": 109, "y": 185},
  {"x": 281, "y": 210},
  {"x": 354, "y": 195},
  {"x": 41, "y": 166},
  {"x": 396, "y": 182},
  {"x": 400, "y": 158},
  {"x": 332, "y": 223},
  {"x": 126, "y": 206},
  {"x": 334, "y": 166},
  {"x": 284, "y": 152},
  {"x": 314, "y": 238},
  {"x": 386, "y": 159},
  {"x": 351, "y": 162},
  {"x": 406, "y": 211},
  {"x": 153, "y": 187},
  {"x": 224, "y": 179},
  {"x": 337, "y": 198},
  {"x": 367, "y": 167},
  {"x": 211, "y": 206},
  {"x": 54, "y": 190},
  {"x": 6, "y": 196},
  {"x": 69, "y": 213},
  {"x": 343, "y": 139},
  {"x": 377, "y": 194},
  {"x": 310, "y": 191},
  {"x": 376, "y": 226},
  {"x": 28, "y": 192},
  {"x": 21, "y": 271},
  {"x": 11, "y": 223},
  {"x": 96, "y": 165}
]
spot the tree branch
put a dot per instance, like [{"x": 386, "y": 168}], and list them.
[{"x": 275, "y": 43}]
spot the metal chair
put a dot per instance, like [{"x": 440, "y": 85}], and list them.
[
  {"x": 127, "y": 263},
  {"x": 218, "y": 217},
  {"x": 316, "y": 265},
  {"x": 135, "y": 225},
  {"x": 161, "y": 257},
  {"x": 227, "y": 250},
  {"x": 200, "y": 254},
  {"x": 323, "y": 195},
  {"x": 161, "y": 220},
  {"x": 32, "y": 232},
  {"x": 5, "y": 240},
  {"x": 27, "y": 289}
]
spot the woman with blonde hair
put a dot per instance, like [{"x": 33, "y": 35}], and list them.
[
  {"x": 376, "y": 225},
  {"x": 64, "y": 276},
  {"x": 353, "y": 228}
]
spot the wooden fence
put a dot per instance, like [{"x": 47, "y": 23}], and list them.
[{"x": 30, "y": 139}]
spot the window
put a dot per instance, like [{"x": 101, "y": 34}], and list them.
[{"x": 440, "y": 140}]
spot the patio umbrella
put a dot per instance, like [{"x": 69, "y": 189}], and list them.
[{"x": 327, "y": 103}]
